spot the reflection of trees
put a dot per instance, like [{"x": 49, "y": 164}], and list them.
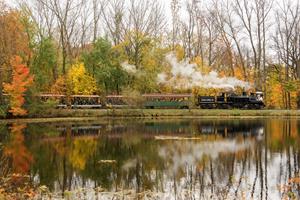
[
  {"x": 283, "y": 138},
  {"x": 16, "y": 151},
  {"x": 58, "y": 162},
  {"x": 4, "y": 160},
  {"x": 72, "y": 160}
]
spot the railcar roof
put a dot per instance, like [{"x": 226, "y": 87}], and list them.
[
  {"x": 168, "y": 95},
  {"x": 86, "y": 96},
  {"x": 51, "y": 95},
  {"x": 115, "y": 96}
]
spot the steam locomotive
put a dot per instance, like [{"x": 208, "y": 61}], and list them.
[{"x": 228, "y": 101}]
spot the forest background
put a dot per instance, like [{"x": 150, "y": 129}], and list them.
[{"x": 120, "y": 47}]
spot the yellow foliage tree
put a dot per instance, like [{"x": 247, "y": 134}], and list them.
[
  {"x": 79, "y": 81},
  {"x": 179, "y": 51}
]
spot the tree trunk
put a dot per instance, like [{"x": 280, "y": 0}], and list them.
[
  {"x": 1, "y": 86},
  {"x": 298, "y": 100}
]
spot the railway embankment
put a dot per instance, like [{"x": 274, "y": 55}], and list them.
[{"x": 82, "y": 114}]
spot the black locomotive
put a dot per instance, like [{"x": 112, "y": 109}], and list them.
[{"x": 229, "y": 101}]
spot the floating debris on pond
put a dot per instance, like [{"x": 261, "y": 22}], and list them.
[
  {"x": 176, "y": 138},
  {"x": 107, "y": 161}
]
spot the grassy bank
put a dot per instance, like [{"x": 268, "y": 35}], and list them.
[
  {"x": 165, "y": 113},
  {"x": 65, "y": 114}
]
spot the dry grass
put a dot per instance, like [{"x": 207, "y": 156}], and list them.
[{"x": 92, "y": 114}]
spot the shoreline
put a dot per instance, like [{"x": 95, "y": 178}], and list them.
[{"x": 67, "y": 115}]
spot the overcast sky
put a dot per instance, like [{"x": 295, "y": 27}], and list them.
[{"x": 166, "y": 4}]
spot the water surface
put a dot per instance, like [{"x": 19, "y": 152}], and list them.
[{"x": 158, "y": 159}]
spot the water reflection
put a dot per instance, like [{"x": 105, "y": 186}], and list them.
[
  {"x": 176, "y": 159},
  {"x": 16, "y": 156}
]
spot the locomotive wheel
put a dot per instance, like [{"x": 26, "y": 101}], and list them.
[
  {"x": 184, "y": 107},
  {"x": 257, "y": 106},
  {"x": 220, "y": 106},
  {"x": 237, "y": 106},
  {"x": 246, "y": 107},
  {"x": 226, "y": 106},
  {"x": 204, "y": 106},
  {"x": 251, "y": 106}
]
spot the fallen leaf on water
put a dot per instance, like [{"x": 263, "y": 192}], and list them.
[{"x": 107, "y": 161}]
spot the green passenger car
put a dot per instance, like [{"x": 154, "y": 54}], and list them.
[{"x": 178, "y": 101}]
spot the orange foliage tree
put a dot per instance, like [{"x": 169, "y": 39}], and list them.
[
  {"x": 21, "y": 80},
  {"x": 14, "y": 40}
]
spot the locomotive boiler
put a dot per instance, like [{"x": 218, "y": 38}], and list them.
[{"x": 232, "y": 100}]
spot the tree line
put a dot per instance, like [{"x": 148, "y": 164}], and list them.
[{"x": 81, "y": 46}]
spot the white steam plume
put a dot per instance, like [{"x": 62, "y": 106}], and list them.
[
  {"x": 129, "y": 68},
  {"x": 184, "y": 75}
]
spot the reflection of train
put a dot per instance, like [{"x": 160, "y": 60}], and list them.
[
  {"x": 232, "y": 128},
  {"x": 182, "y": 128},
  {"x": 181, "y": 101}
]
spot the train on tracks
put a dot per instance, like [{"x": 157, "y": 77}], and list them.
[{"x": 159, "y": 101}]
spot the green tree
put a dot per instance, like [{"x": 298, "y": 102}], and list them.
[
  {"x": 44, "y": 65},
  {"x": 103, "y": 62}
]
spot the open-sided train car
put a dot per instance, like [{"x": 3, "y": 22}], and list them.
[
  {"x": 116, "y": 101},
  {"x": 73, "y": 101}
]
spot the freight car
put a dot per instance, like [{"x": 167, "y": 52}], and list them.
[{"x": 229, "y": 101}]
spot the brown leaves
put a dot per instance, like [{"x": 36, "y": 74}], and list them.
[{"x": 16, "y": 186}]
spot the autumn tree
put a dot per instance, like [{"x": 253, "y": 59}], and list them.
[
  {"x": 287, "y": 44},
  {"x": 145, "y": 22},
  {"x": 13, "y": 41},
  {"x": 62, "y": 17},
  {"x": 253, "y": 18},
  {"x": 21, "y": 80},
  {"x": 79, "y": 81}
]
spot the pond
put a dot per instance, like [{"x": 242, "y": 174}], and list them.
[{"x": 157, "y": 159}]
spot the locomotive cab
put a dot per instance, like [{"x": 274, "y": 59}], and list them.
[{"x": 259, "y": 96}]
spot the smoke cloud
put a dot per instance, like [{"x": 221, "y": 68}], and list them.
[
  {"x": 129, "y": 68},
  {"x": 184, "y": 75}
]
